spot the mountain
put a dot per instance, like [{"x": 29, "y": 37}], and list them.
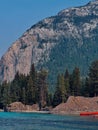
[{"x": 63, "y": 41}]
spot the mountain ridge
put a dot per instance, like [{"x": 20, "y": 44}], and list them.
[{"x": 66, "y": 40}]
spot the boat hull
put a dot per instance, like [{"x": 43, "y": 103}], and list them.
[{"x": 88, "y": 113}]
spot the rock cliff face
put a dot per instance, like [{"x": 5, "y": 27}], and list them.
[{"x": 63, "y": 41}]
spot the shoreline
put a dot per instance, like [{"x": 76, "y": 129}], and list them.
[
  {"x": 45, "y": 112},
  {"x": 75, "y": 113},
  {"x": 27, "y": 111},
  {"x": 73, "y": 106},
  {"x": 42, "y": 112}
]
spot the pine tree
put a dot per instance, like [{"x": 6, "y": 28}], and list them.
[
  {"x": 59, "y": 92},
  {"x": 76, "y": 82},
  {"x": 5, "y": 99},
  {"x": 86, "y": 90},
  {"x": 49, "y": 99},
  {"x": 14, "y": 92},
  {"x": 1, "y": 104},
  {"x": 33, "y": 75},
  {"x": 42, "y": 88},
  {"x": 33, "y": 72},
  {"x": 67, "y": 84},
  {"x": 30, "y": 92},
  {"x": 57, "y": 99},
  {"x": 23, "y": 86},
  {"x": 15, "y": 88},
  {"x": 93, "y": 76},
  {"x": 63, "y": 88}
]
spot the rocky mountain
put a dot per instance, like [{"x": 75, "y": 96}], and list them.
[{"x": 63, "y": 41}]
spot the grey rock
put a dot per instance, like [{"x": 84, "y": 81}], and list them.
[{"x": 35, "y": 45}]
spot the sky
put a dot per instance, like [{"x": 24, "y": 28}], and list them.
[{"x": 16, "y": 16}]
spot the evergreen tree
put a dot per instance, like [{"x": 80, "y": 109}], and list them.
[
  {"x": 67, "y": 75},
  {"x": 86, "y": 88},
  {"x": 76, "y": 82},
  {"x": 33, "y": 72},
  {"x": 63, "y": 88},
  {"x": 67, "y": 84},
  {"x": 23, "y": 88},
  {"x": 14, "y": 91},
  {"x": 23, "y": 97},
  {"x": 5, "y": 99},
  {"x": 49, "y": 99},
  {"x": 33, "y": 75},
  {"x": 16, "y": 86},
  {"x": 30, "y": 92},
  {"x": 93, "y": 77},
  {"x": 42, "y": 88},
  {"x": 57, "y": 98},
  {"x": 1, "y": 104}
]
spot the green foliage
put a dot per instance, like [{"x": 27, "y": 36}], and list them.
[
  {"x": 69, "y": 53},
  {"x": 30, "y": 92},
  {"x": 49, "y": 99},
  {"x": 86, "y": 89},
  {"x": 76, "y": 83},
  {"x": 61, "y": 91},
  {"x": 57, "y": 97},
  {"x": 67, "y": 83},
  {"x": 5, "y": 99},
  {"x": 93, "y": 77},
  {"x": 90, "y": 86},
  {"x": 33, "y": 88},
  {"x": 28, "y": 89},
  {"x": 42, "y": 87}
]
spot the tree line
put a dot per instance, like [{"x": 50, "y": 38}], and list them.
[
  {"x": 28, "y": 89},
  {"x": 75, "y": 85},
  {"x": 33, "y": 88}
]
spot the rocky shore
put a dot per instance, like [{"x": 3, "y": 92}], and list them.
[
  {"x": 74, "y": 105},
  {"x": 20, "y": 107}
]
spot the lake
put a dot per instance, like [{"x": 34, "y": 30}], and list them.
[{"x": 36, "y": 121}]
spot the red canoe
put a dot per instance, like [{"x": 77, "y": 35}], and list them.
[{"x": 88, "y": 113}]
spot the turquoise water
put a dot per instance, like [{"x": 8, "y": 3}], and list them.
[{"x": 35, "y": 121}]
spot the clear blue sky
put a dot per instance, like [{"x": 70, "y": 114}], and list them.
[{"x": 16, "y": 16}]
